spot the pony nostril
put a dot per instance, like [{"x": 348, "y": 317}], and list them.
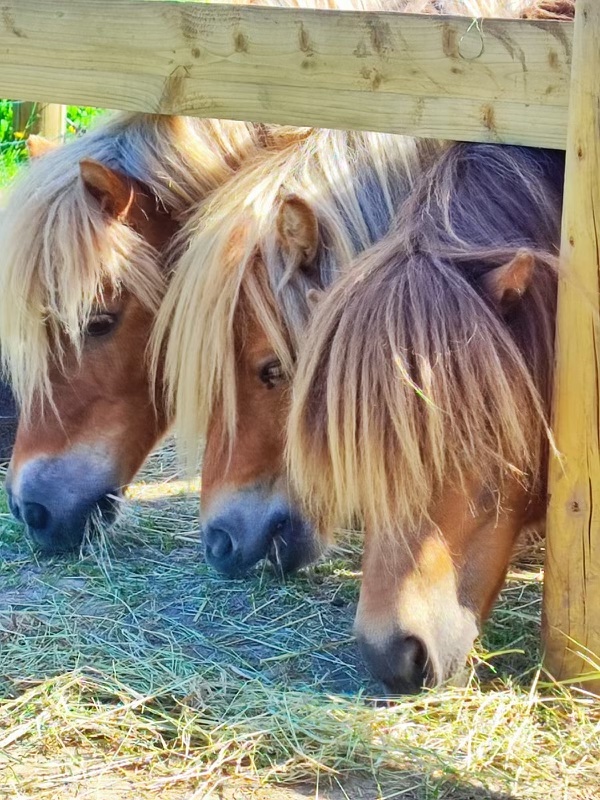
[
  {"x": 413, "y": 661},
  {"x": 219, "y": 545},
  {"x": 278, "y": 525},
  {"x": 35, "y": 515},
  {"x": 401, "y": 664}
]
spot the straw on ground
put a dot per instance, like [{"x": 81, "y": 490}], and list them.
[{"x": 135, "y": 670}]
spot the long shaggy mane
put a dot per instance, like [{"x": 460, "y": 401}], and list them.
[
  {"x": 353, "y": 182},
  {"x": 59, "y": 253},
  {"x": 410, "y": 378}
]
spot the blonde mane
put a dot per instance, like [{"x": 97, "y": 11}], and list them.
[
  {"x": 353, "y": 183},
  {"x": 59, "y": 253},
  {"x": 410, "y": 379}
]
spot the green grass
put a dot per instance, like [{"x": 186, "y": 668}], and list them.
[{"x": 135, "y": 670}]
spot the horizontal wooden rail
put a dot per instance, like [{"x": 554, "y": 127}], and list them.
[{"x": 499, "y": 81}]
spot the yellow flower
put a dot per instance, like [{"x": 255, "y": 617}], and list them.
[
  {"x": 19, "y": 134},
  {"x": 71, "y": 129}
]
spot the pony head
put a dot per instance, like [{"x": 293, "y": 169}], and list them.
[
  {"x": 270, "y": 243},
  {"x": 420, "y": 403},
  {"x": 86, "y": 243}
]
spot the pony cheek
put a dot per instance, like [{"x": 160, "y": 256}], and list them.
[
  {"x": 138, "y": 435},
  {"x": 485, "y": 566}
]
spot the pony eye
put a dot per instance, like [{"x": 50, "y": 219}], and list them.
[
  {"x": 271, "y": 374},
  {"x": 100, "y": 324}
]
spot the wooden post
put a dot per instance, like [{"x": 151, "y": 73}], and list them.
[
  {"x": 47, "y": 119},
  {"x": 571, "y": 620}
]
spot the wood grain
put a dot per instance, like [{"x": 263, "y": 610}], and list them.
[
  {"x": 504, "y": 81},
  {"x": 572, "y": 584}
]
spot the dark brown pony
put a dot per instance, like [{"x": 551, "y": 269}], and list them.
[
  {"x": 421, "y": 398},
  {"x": 87, "y": 242}
]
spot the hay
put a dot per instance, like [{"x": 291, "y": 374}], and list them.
[{"x": 134, "y": 671}]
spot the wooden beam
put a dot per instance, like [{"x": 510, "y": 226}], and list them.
[
  {"x": 572, "y": 581},
  {"x": 499, "y": 81}
]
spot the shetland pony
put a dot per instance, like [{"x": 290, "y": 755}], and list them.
[
  {"x": 84, "y": 246},
  {"x": 84, "y": 250},
  {"x": 235, "y": 314},
  {"x": 420, "y": 403},
  {"x": 269, "y": 241}
]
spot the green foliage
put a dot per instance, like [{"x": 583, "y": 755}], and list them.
[
  {"x": 80, "y": 118},
  {"x": 13, "y": 152}
]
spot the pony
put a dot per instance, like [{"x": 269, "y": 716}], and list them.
[
  {"x": 229, "y": 333},
  {"x": 421, "y": 398},
  {"x": 86, "y": 243},
  {"x": 234, "y": 316}
]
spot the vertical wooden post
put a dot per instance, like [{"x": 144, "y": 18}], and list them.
[
  {"x": 47, "y": 119},
  {"x": 571, "y": 620}
]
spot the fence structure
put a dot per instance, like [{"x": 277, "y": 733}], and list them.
[
  {"x": 530, "y": 83},
  {"x": 47, "y": 119}
]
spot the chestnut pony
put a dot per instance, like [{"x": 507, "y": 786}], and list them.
[
  {"x": 276, "y": 235},
  {"x": 420, "y": 403},
  {"x": 86, "y": 245},
  {"x": 282, "y": 231}
]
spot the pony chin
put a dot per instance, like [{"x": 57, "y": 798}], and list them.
[
  {"x": 59, "y": 498},
  {"x": 243, "y": 527}
]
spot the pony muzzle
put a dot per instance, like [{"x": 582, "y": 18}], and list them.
[
  {"x": 60, "y": 498},
  {"x": 401, "y": 663},
  {"x": 248, "y": 529},
  {"x": 412, "y": 624}
]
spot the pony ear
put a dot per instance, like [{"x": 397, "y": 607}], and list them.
[
  {"x": 38, "y": 146},
  {"x": 508, "y": 283},
  {"x": 298, "y": 231},
  {"x": 112, "y": 189}
]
